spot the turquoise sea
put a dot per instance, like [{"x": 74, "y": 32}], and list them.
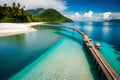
[
  {"x": 56, "y": 53},
  {"x": 108, "y": 34}
]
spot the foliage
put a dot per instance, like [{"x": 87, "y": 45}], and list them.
[
  {"x": 51, "y": 15},
  {"x": 35, "y": 11},
  {"x": 15, "y": 13}
]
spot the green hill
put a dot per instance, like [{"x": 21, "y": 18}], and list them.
[
  {"x": 16, "y": 13},
  {"x": 51, "y": 15},
  {"x": 35, "y": 11}
]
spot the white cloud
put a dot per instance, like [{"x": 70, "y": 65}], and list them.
[
  {"x": 106, "y": 15},
  {"x": 82, "y": 17},
  {"x": 76, "y": 16},
  {"x": 59, "y": 5},
  {"x": 89, "y": 14}
]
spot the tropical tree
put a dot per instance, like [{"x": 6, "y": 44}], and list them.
[
  {"x": 14, "y": 13},
  {"x": 5, "y": 5},
  {"x": 19, "y": 5},
  {"x": 13, "y": 5}
]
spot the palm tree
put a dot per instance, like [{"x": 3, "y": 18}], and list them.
[
  {"x": 23, "y": 7},
  {"x": 19, "y": 5},
  {"x": 5, "y": 9},
  {"x": 13, "y": 5},
  {"x": 23, "y": 10},
  {"x": 9, "y": 12},
  {"x": 5, "y": 5}
]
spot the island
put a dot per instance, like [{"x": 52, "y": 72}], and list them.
[
  {"x": 17, "y": 14},
  {"x": 10, "y": 16}
]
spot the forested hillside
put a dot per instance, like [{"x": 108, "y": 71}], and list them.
[
  {"x": 15, "y": 13},
  {"x": 51, "y": 15}
]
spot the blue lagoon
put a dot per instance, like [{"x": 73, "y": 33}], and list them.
[{"x": 56, "y": 53}]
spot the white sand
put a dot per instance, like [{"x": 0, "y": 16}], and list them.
[{"x": 7, "y": 29}]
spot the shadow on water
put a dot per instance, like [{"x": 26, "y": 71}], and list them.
[
  {"x": 118, "y": 58},
  {"x": 71, "y": 37},
  {"x": 89, "y": 58},
  {"x": 117, "y": 52}
]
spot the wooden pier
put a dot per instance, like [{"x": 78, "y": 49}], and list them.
[{"x": 103, "y": 67}]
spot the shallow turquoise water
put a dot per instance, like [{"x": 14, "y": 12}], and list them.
[
  {"x": 64, "y": 61},
  {"x": 109, "y": 54}
]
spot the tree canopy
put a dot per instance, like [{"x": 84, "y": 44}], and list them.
[
  {"x": 51, "y": 15},
  {"x": 15, "y": 13}
]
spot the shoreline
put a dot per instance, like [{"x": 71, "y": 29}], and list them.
[{"x": 7, "y": 29}]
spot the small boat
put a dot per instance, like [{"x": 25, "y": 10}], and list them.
[
  {"x": 90, "y": 39},
  {"x": 97, "y": 45},
  {"x": 89, "y": 45}
]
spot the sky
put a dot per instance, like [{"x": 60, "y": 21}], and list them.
[{"x": 78, "y": 10}]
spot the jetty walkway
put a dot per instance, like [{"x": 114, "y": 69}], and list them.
[{"x": 105, "y": 70}]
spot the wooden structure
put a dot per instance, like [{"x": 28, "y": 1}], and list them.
[{"x": 105, "y": 70}]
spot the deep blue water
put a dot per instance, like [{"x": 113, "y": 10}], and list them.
[
  {"x": 108, "y": 32},
  {"x": 17, "y": 51}
]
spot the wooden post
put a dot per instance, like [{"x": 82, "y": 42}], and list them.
[{"x": 73, "y": 34}]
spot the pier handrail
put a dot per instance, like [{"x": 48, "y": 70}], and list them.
[{"x": 106, "y": 68}]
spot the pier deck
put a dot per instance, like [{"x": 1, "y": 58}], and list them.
[{"x": 105, "y": 67}]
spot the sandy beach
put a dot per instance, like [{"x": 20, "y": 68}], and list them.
[{"x": 7, "y": 29}]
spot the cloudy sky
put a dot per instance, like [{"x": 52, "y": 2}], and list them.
[{"x": 78, "y": 10}]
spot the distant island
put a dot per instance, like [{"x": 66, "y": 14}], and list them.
[
  {"x": 114, "y": 20},
  {"x": 17, "y": 14}
]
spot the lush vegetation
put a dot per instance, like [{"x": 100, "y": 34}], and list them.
[
  {"x": 51, "y": 15},
  {"x": 15, "y": 13},
  {"x": 35, "y": 11}
]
